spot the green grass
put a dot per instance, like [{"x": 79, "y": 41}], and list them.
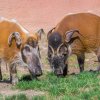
[
  {"x": 1, "y": 97},
  {"x": 16, "y": 97},
  {"x": 39, "y": 98},
  {"x": 83, "y": 86}
]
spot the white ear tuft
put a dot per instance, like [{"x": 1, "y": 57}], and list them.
[
  {"x": 39, "y": 32},
  {"x": 69, "y": 50}
]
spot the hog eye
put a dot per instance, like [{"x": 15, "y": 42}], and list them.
[
  {"x": 49, "y": 54},
  {"x": 27, "y": 49},
  {"x": 49, "y": 51},
  {"x": 62, "y": 56},
  {"x": 64, "y": 50}
]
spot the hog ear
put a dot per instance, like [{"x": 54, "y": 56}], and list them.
[
  {"x": 15, "y": 36},
  {"x": 39, "y": 33},
  {"x": 69, "y": 36},
  {"x": 50, "y": 32}
]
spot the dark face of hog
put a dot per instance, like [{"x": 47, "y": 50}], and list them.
[
  {"x": 31, "y": 53},
  {"x": 59, "y": 50},
  {"x": 57, "y": 53},
  {"x": 31, "y": 57}
]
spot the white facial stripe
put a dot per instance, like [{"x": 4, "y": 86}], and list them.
[
  {"x": 59, "y": 48},
  {"x": 51, "y": 49}
]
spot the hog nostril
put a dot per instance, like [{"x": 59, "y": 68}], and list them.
[
  {"x": 38, "y": 73},
  {"x": 58, "y": 72}
]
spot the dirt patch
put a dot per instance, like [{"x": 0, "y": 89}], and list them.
[
  {"x": 4, "y": 86},
  {"x": 29, "y": 93},
  {"x": 5, "y": 90}
]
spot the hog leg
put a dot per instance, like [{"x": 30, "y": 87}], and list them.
[
  {"x": 65, "y": 71},
  {"x": 13, "y": 74},
  {"x": 81, "y": 58},
  {"x": 98, "y": 68},
  {"x": 0, "y": 71},
  {"x": 97, "y": 52}
]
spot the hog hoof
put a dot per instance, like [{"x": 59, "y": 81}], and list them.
[
  {"x": 0, "y": 77},
  {"x": 15, "y": 81},
  {"x": 98, "y": 68}
]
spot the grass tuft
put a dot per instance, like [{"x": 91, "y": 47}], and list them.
[
  {"x": 85, "y": 85},
  {"x": 17, "y": 97},
  {"x": 39, "y": 98}
]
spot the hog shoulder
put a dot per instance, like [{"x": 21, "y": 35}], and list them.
[
  {"x": 6, "y": 28},
  {"x": 89, "y": 27}
]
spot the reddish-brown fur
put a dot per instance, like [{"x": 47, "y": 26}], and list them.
[
  {"x": 88, "y": 26},
  {"x": 8, "y": 53},
  {"x": 6, "y": 28}
]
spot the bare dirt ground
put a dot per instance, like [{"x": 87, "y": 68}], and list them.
[{"x": 36, "y": 14}]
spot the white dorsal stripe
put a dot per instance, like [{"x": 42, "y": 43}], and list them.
[
  {"x": 3, "y": 18},
  {"x": 69, "y": 14},
  {"x": 89, "y": 11},
  {"x": 22, "y": 28},
  {"x": 15, "y": 21}
]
